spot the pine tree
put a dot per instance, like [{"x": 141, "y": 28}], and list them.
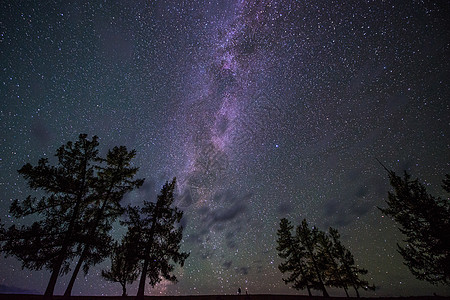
[
  {"x": 301, "y": 257},
  {"x": 425, "y": 221},
  {"x": 156, "y": 238},
  {"x": 114, "y": 181},
  {"x": 329, "y": 262},
  {"x": 348, "y": 272},
  {"x": 67, "y": 187},
  {"x": 124, "y": 265},
  {"x": 294, "y": 254},
  {"x": 315, "y": 259},
  {"x": 309, "y": 239}
]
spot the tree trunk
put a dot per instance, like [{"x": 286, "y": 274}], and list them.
[
  {"x": 140, "y": 293},
  {"x": 124, "y": 290},
  {"x": 324, "y": 291},
  {"x": 55, "y": 273},
  {"x": 309, "y": 290},
  {"x": 57, "y": 267},
  {"x": 319, "y": 276},
  {"x": 69, "y": 288},
  {"x": 356, "y": 290},
  {"x": 83, "y": 255},
  {"x": 346, "y": 292},
  {"x": 63, "y": 252}
]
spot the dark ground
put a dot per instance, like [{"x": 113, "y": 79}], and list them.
[{"x": 211, "y": 297}]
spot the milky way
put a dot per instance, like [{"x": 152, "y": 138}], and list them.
[{"x": 261, "y": 109}]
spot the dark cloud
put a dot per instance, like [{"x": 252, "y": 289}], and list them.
[
  {"x": 228, "y": 214},
  {"x": 242, "y": 270},
  {"x": 147, "y": 191},
  {"x": 232, "y": 244},
  {"x": 361, "y": 209},
  {"x": 354, "y": 174},
  {"x": 185, "y": 199},
  {"x": 197, "y": 237},
  {"x": 336, "y": 214},
  {"x": 339, "y": 221},
  {"x": 193, "y": 238},
  {"x": 234, "y": 207},
  {"x": 229, "y": 196},
  {"x": 184, "y": 221},
  {"x": 362, "y": 191},
  {"x": 203, "y": 210},
  {"x": 206, "y": 253},
  {"x": 344, "y": 210},
  {"x": 284, "y": 208},
  {"x": 229, "y": 235},
  {"x": 406, "y": 165},
  {"x": 9, "y": 289},
  {"x": 332, "y": 207},
  {"x": 219, "y": 227},
  {"x": 227, "y": 264}
]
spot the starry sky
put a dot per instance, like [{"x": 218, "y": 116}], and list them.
[{"x": 261, "y": 109}]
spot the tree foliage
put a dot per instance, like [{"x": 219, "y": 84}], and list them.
[
  {"x": 113, "y": 181},
  {"x": 67, "y": 214},
  {"x": 124, "y": 265},
  {"x": 156, "y": 238},
  {"x": 295, "y": 258},
  {"x": 316, "y": 259},
  {"x": 345, "y": 272},
  {"x": 425, "y": 222}
]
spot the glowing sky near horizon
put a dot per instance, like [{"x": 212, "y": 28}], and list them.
[{"x": 261, "y": 109}]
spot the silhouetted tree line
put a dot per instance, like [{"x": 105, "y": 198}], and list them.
[
  {"x": 425, "y": 221},
  {"x": 80, "y": 201},
  {"x": 315, "y": 259}
]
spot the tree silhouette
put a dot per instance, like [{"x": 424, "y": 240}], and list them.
[
  {"x": 309, "y": 239},
  {"x": 329, "y": 262},
  {"x": 156, "y": 238},
  {"x": 347, "y": 273},
  {"x": 315, "y": 259},
  {"x": 300, "y": 252},
  {"x": 124, "y": 265},
  {"x": 113, "y": 182},
  {"x": 80, "y": 201},
  {"x": 67, "y": 192},
  {"x": 294, "y": 255},
  {"x": 425, "y": 221}
]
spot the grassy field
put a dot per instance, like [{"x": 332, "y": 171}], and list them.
[{"x": 210, "y": 297}]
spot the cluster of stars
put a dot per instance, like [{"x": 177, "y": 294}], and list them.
[{"x": 261, "y": 109}]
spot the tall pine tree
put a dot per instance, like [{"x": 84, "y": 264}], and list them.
[
  {"x": 67, "y": 192},
  {"x": 113, "y": 182},
  {"x": 156, "y": 237},
  {"x": 80, "y": 201},
  {"x": 425, "y": 222},
  {"x": 294, "y": 255},
  {"x": 309, "y": 239},
  {"x": 301, "y": 259},
  {"x": 315, "y": 259},
  {"x": 348, "y": 272},
  {"x": 329, "y": 262}
]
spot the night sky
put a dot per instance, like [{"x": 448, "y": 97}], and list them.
[{"x": 261, "y": 109}]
